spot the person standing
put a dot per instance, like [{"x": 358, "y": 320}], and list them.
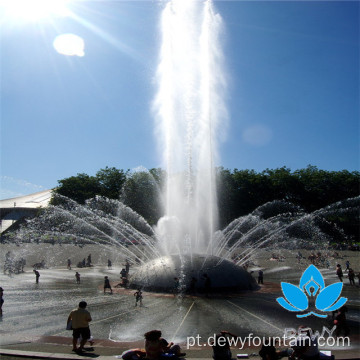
[
  {"x": 37, "y": 274},
  {"x": 1, "y": 299},
  {"x": 260, "y": 277},
  {"x": 351, "y": 276},
  {"x": 138, "y": 297},
  {"x": 69, "y": 264},
  {"x": 77, "y": 277},
  {"x": 88, "y": 262},
  {"x": 339, "y": 272},
  {"x": 80, "y": 319},
  {"x": 107, "y": 284},
  {"x": 123, "y": 277}
]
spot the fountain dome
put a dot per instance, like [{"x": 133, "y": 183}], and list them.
[{"x": 158, "y": 274}]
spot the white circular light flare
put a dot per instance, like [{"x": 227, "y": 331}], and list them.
[{"x": 69, "y": 44}]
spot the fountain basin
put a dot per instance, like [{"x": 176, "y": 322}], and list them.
[{"x": 158, "y": 275}]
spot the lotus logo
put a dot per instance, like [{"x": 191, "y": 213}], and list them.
[{"x": 311, "y": 285}]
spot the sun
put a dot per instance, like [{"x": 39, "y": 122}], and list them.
[{"x": 33, "y": 10}]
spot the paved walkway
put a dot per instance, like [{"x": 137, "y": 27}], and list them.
[{"x": 58, "y": 347}]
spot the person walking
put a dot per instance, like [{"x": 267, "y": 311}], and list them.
[
  {"x": 80, "y": 319},
  {"x": 347, "y": 264}
]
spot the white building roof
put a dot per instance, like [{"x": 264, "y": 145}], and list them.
[{"x": 39, "y": 199}]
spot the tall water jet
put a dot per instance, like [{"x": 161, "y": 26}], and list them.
[{"x": 190, "y": 119}]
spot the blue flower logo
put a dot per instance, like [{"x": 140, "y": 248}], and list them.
[{"x": 311, "y": 285}]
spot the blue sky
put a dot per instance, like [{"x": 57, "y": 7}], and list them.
[{"x": 293, "y": 93}]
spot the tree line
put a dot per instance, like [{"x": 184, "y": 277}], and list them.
[{"x": 239, "y": 192}]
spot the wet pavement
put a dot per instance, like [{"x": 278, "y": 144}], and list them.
[{"x": 34, "y": 315}]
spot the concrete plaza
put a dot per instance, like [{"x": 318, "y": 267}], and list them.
[{"x": 34, "y": 315}]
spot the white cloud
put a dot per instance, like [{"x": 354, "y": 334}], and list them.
[{"x": 12, "y": 187}]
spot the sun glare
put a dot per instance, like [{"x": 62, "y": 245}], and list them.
[
  {"x": 69, "y": 44},
  {"x": 33, "y": 10}
]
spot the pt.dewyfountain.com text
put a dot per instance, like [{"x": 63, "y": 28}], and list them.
[{"x": 291, "y": 337}]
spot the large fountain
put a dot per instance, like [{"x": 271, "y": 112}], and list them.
[
  {"x": 189, "y": 110},
  {"x": 186, "y": 243}
]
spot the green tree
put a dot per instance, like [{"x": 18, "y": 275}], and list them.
[
  {"x": 242, "y": 191},
  {"x": 111, "y": 181},
  {"x": 78, "y": 188},
  {"x": 283, "y": 185},
  {"x": 251, "y": 191},
  {"x": 320, "y": 188}
]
